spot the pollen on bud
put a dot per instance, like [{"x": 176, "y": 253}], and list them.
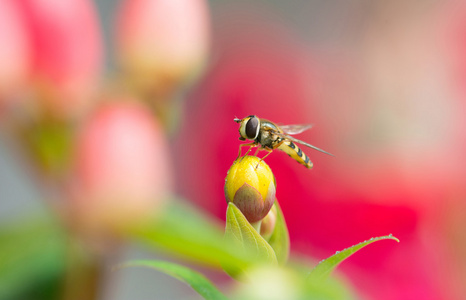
[{"x": 250, "y": 185}]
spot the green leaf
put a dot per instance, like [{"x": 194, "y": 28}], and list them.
[
  {"x": 194, "y": 279},
  {"x": 280, "y": 240},
  {"x": 326, "y": 266},
  {"x": 246, "y": 238},
  {"x": 183, "y": 231},
  {"x": 32, "y": 254}
]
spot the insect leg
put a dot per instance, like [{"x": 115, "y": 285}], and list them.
[
  {"x": 262, "y": 159},
  {"x": 257, "y": 151},
  {"x": 242, "y": 145},
  {"x": 270, "y": 151},
  {"x": 247, "y": 152}
]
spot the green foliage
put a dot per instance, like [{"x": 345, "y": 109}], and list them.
[
  {"x": 241, "y": 251},
  {"x": 326, "y": 266},
  {"x": 31, "y": 257},
  {"x": 194, "y": 279},
  {"x": 186, "y": 233}
]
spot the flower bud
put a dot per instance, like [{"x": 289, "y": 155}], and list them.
[
  {"x": 122, "y": 173},
  {"x": 250, "y": 185},
  {"x": 15, "y": 50},
  {"x": 268, "y": 223},
  {"x": 67, "y": 53},
  {"x": 161, "y": 43}
]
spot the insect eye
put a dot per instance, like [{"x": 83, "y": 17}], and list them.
[{"x": 252, "y": 127}]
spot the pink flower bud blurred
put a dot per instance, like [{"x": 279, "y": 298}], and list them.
[
  {"x": 162, "y": 42},
  {"x": 14, "y": 51},
  {"x": 123, "y": 172},
  {"x": 67, "y": 48}
]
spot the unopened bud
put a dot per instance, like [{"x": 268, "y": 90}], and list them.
[
  {"x": 122, "y": 173},
  {"x": 161, "y": 43},
  {"x": 67, "y": 54},
  {"x": 250, "y": 185}
]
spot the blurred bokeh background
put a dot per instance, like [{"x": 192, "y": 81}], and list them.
[{"x": 107, "y": 107}]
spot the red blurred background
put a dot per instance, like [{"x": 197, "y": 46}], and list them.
[{"x": 382, "y": 85}]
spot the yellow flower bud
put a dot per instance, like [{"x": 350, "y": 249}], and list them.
[{"x": 250, "y": 185}]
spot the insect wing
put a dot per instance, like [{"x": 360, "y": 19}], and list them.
[
  {"x": 286, "y": 136},
  {"x": 295, "y": 129}
]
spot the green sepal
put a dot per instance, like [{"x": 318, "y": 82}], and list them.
[
  {"x": 245, "y": 240},
  {"x": 239, "y": 230}
]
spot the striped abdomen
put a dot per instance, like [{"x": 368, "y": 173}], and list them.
[{"x": 296, "y": 153}]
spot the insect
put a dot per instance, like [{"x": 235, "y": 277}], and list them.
[{"x": 269, "y": 136}]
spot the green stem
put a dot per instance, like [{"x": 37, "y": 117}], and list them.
[
  {"x": 257, "y": 226},
  {"x": 83, "y": 274}
]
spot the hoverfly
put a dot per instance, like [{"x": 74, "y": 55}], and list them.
[{"x": 271, "y": 136}]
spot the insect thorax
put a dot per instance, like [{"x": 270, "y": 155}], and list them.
[{"x": 268, "y": 140}]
